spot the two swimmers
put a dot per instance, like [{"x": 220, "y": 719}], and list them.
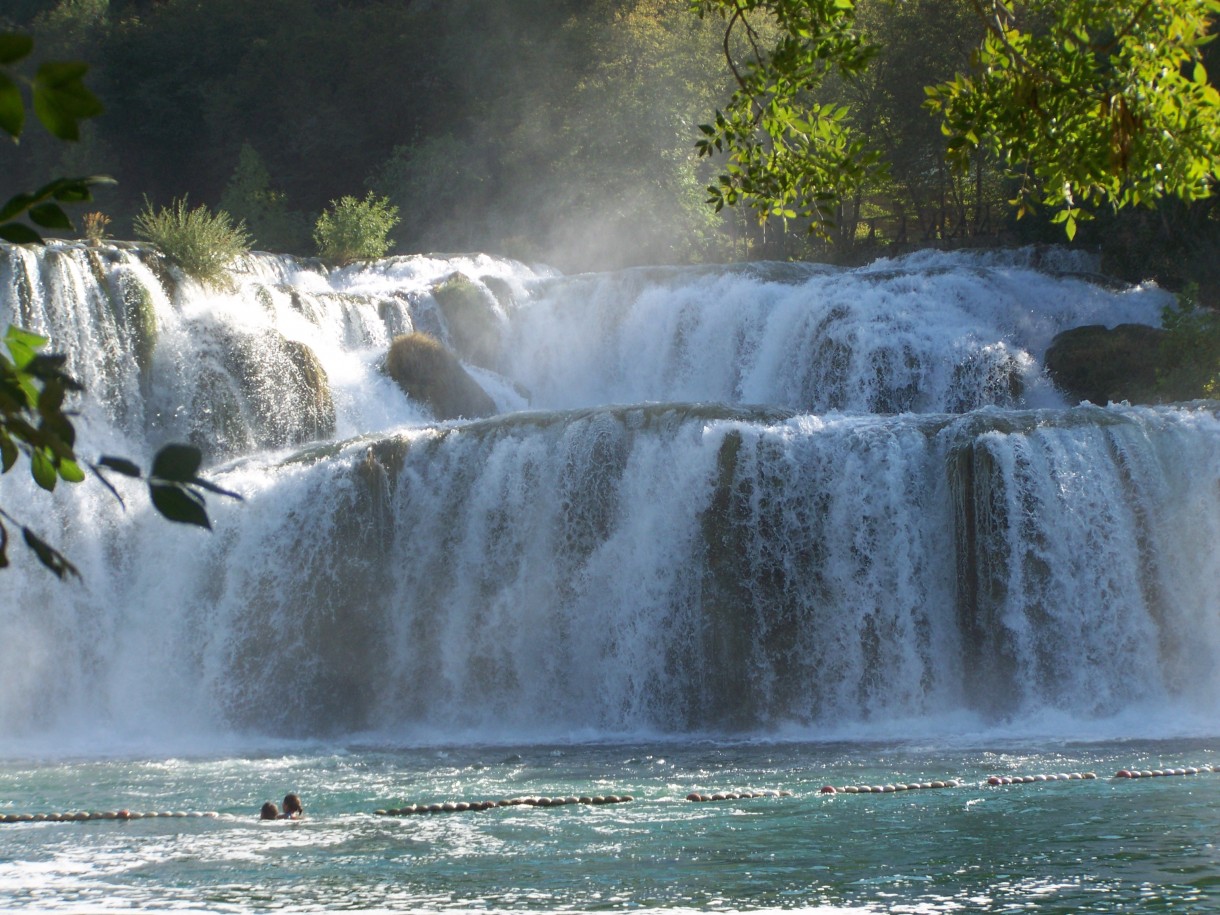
[{"x": 293, "y": 809}]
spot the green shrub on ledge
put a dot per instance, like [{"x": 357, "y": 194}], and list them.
[
  {"x": 202, "y": 243},
  {"x": 353, "y": 230}
]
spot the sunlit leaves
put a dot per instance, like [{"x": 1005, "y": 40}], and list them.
[
  {"x": 1101, "y": 105},
  {"x": 199, "y": 241},
  {"x": 1086, "y": 104},
  {"x": 351, "y": 229},
  {"x": 787, "y": 156}
]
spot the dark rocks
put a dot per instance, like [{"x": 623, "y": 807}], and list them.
[
  {"x": 1102, "y": 365},
  {"x": 430, "y": 374}
]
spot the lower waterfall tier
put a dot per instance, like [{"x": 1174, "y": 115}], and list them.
[{"x": 669, "y": 568}]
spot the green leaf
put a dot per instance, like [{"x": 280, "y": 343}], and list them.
[
  {"x": 13, "y": 47},
  {"x": 19, "y": 234},
  {"x": 24, "y": 338},
  {"x": 50, "y": 216},
  {"x": 120, "y": 465},
  {"x": 16, "y": 205},
  {"x": 70, "y": 472},
  {"x": 177, "y": 503},
  {"x": 12, "y": 107},
  {"x": 73, "y": 190},
  {"x": 61, "y": 99},
  {"x": 8, "y": 454},
  {"x": 48, "y": 555},
  {"x": 43, "y": 471},
  {"x": 177, "y": 463}
]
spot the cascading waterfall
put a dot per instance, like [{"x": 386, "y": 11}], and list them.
[{"x": 735, "y": 499}]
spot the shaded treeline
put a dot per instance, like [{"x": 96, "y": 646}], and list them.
[{"x": 555, "y": 130}]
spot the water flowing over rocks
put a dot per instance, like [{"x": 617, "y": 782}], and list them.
[
  {"x": 473, "y": 319},
  {"x": 740, "y": 499}
]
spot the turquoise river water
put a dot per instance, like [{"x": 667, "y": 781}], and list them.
[{"x": 1104, "y": 845}]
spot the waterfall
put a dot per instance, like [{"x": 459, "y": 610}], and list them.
[{"x": 744, "y": 499}]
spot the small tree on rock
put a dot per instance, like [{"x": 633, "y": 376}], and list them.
[{"x": 353, "y": 230}]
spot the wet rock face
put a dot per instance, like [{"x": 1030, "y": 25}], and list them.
[
  {"x": 1101, "y": 365},
  {"x": 257, "y": 390},
  {"x": 430, "y": 374}
]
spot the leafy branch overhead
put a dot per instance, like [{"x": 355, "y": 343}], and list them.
[
  {"x": 34, "y": 422},
  {"x": 174, "y": 484},
  {"x": 1085, "y": 104},
  {"x": 60, "y": 101},
  {"x": 34, "y": 385}
]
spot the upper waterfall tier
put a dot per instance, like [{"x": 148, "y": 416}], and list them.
[{"x": 290, "y": 351}]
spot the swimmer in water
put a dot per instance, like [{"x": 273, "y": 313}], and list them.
[
  {"x": 293, "y": 810},
  {"x": 269, "y": 812}
]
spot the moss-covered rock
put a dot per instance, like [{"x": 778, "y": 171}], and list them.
[
  {"x": 1100, "y": 365},
  {"x": 161, "y": 267},
  {"x": 470, "y": 317},
  {"x": 430, "y": 374},
  {"x": 137, "y": 313}
]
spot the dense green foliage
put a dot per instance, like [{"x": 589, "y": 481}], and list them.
[
  {"x": 547, "y": 130},
  {"x": 1091, "y": 104},
  {"x": 352, "y": 230},
  {"x": 1084, "y": 104},
  {"x": 250, "y": 198},
  {"x": 1190, "y": 352},
  {"x": 199, "y": 241}
]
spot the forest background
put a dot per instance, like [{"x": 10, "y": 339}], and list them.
[{"x": 560, "y": 131}]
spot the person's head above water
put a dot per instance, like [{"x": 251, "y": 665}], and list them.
[
  {"x": 269, "y": 811},
  {"x": 292, "y": 806}
]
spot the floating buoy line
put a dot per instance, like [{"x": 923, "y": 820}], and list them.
[
  {"x": 463, "y": 806},
  {"x": 604, "y": 799},
  {"x": 892, "y": 788},
  {"x": 1153, "y": 773},
  {"x": 735, "y": 795}
]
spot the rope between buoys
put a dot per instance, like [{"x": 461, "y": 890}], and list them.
[
  {"x": 598, "y": 800},
  {"x": 81, "y": 816}
]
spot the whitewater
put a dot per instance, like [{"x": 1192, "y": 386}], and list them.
[{"x": 769, "y": 525}]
